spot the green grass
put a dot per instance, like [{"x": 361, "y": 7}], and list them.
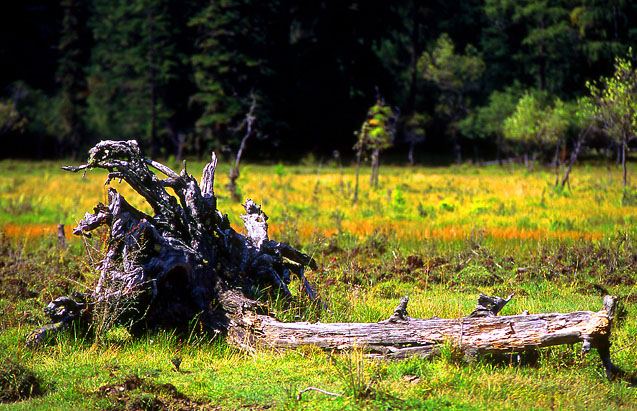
[
  {"x": 441, "y": 236},
  {"x": 215, "y": 373}
]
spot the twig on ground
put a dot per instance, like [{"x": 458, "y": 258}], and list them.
[{"x": 333, "y": 394}]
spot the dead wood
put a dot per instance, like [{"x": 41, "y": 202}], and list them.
[
  {"x": 186, "y": 261},
  {"x": 62, "y": 245},
  {"x": 333, "y": 394},
  {"x": 181, "y": 262},
  {"x": 401, "y": 336},
  {"x": 248, "y": 124}
]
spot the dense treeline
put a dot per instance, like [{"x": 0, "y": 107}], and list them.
[{"x": 179, "y": 75}]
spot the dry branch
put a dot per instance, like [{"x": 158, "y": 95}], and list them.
[{"x": 333, "y": 394}]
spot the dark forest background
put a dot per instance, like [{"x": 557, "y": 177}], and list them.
[{"x": 178, "y": 75}]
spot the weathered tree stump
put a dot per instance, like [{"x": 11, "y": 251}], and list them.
[
  {"x": 186, "y": 261},
  {"x": 163, "y": 270}
]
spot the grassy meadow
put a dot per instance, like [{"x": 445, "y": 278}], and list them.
[{"x": 439, "y": 235}]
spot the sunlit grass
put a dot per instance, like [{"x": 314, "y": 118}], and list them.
[
  {"x": 561, "y": 379},
  {"x": 412, "y": 204},
  {"x": 462, "y": 222}
]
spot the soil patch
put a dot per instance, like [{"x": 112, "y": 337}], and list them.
[
  {"x": 141, "y": 394},
  {"x": 18, "y": 383}
]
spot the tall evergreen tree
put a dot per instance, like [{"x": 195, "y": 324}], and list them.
[
  {"x": 543, "y": 41},
  {"x": 131, "y": 66},
  {"x": 70, "y": 75},
  {"x": 456, "y": 76},
  {"x": 230, "y": 63},
  {"x": 605, "y": 30},
  {"x": 402, "y": 46}
]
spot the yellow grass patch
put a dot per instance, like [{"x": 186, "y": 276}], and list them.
[{"x": 412, "y": 204}]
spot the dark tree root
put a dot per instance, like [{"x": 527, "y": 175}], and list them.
[{"x": 162, "y": 271}]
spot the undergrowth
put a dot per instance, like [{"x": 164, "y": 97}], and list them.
[
  {"x": 135, "y": 373},
  {"x": 18, "y": 383}
]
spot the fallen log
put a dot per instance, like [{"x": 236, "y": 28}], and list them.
[
  {"x": 401, "y": 336},
  {"x": 186, "y": 261}
]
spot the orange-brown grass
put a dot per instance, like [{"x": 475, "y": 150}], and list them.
[
  {"x": 411, "y": 205},
  {"x": 29, "y": 230},
  {"x": 444, "y": 203}
]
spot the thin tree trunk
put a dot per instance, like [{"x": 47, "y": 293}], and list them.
[
  {"x": 374, "y": 175},
  {"x": 376, "y": 169},
  {"x": 358, "y": 166},
  {"x": 234, "y": 171},
  {"x": 181, "y": 144},
  {"x": 337, "y": 156},
  {"x": 556, "y": 163},
  {"x": 62, "y": 243},
  {"x": 456, "y": 147},
  {"x": 532, "y": 163},
  {"x": 529, "y": 161},
  {"x": 498, "y": 147},
  {"x": 410, "y": 155},
  {"x": 372, "y": 168},
  {"x": 574, "y": 155},
  {"x": 476, "y": 154},
  {"x": 624, "y": 171}
]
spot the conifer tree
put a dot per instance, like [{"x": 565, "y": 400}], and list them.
[
  {"x": 70, "y": 75},
  {"x": 229, "y": 63},
  {"x": 131, "y": 66},
  {"x": 455, "y": 75},
  {"x": 542, "y": 39}
]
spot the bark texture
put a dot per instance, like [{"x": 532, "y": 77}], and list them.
[
  {"x": 162, "y": 271},
  {"x": 401, "y": 336}
]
